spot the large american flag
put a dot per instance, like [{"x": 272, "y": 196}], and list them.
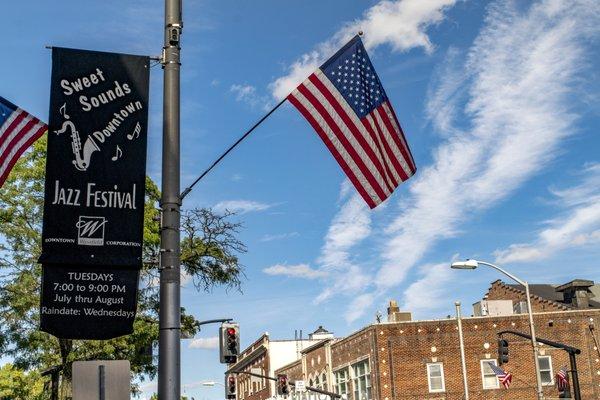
[
  {"x": 18, "y": 131},
  {"x": 504, "y": 377},
  {"x": 562, "y": 379},
  {"x": 345, "y": 103}
]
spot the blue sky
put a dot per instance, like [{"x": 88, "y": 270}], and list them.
[{"x": 499, "y": 102}]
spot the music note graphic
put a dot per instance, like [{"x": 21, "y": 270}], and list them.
[
  {"x": 118, "y": 154},
  {"x": 136, "y": 132},
  {"x": 63, "y": 111}
]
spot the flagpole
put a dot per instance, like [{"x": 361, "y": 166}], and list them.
[
  {"x": 169, "y": 357},
  {"x": 218, "y": 160}
]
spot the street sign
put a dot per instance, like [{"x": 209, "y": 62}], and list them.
[
  {"x": 300, "y": 386},
  {"x": 101, "y": 380}
]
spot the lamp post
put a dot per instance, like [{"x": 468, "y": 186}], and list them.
[
  {"x": 473, "y": 264},
  {"x": 463, "y": 362}
]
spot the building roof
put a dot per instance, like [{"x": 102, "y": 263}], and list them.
[
  {"x": 320, "y": 331},
  {"x": 556, "y": 293}
]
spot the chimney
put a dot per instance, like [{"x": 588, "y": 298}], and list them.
[
  {"x": 395, "y": 315},
  {"x": 577, "y": 293}
]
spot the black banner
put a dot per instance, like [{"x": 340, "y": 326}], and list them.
[
  {"x": 96, "y": 162},
  {"x": 94, "y": 197},
  {"x": 88, "y": 303}
]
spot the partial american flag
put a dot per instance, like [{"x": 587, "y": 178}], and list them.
[
  {"x": 504, "y": 377},
  {"x": 18, "y": 131},
  {"x": 345, "y": 103},
  {"x": 562, "y": 379}
]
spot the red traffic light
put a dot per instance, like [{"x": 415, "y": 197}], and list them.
[{"x": 231, "y": 331}]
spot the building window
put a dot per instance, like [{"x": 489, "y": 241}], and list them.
[
  {"x": 435, "y": 377},
  {"x": 545, "y": 363},
  {"x": 361, "y": 380},
  {"x": 324, "y": 381},
  {"x": 490, "y": 381},
  {"x": 317, "y": 382},
  {"x": 341, "y": 381}
]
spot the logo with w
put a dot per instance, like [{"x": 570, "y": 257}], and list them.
[{"x": 90, "y": 231}]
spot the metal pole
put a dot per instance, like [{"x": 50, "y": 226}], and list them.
[
  {"x": 576, "y": 389},
  {"x": 54, "y": 391},
  {"x": 538, "y": 375},
  {"x": 102, "y": 382},
  {"x": 169, "y": 380},
  {"x": 462, "y": 350}
]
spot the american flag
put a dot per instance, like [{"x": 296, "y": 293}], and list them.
[
  {"x": 18, "y": 131},
  {"x": 345, "y": 103},
  {"x": 562, "y": 379},
  {"x": 504, "y": 377}
]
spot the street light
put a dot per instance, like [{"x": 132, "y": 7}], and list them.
[{"x": 473, "y": 264}]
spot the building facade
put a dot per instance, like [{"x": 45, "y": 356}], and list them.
[
  {"x": 263, "y": 357},
  {"x": 418, "y": 360}
]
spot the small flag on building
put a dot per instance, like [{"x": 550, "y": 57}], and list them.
[
  {"x": 504, "y": 377},
  {"x": 562, "y": 379},
  {"x": 346, "y": 104},
  {"x": 18, "y": 131}
]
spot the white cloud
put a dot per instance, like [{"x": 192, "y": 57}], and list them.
[
  {"x": 358, "y": 306},
  {"x": 430, "y": 292},
  {"x": 580, "y": 224},
  {"x": 520, "y": 108},
  {"x": 280, "y": 236},
  {"x": 295, "y": 271},
  {"x": 204, "y": 343},
  {"x": 350, "y": 226},
  {"x": 241, "y": 206},
  {"x": 247, "y": 94},
  {"x": 401, "y": 24}
]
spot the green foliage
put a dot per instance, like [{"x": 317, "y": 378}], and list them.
[
  {"x": 15, "y": 384},
  {"x": 209, "y": 257}
]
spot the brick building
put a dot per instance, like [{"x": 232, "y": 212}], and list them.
[
  {"x": 404, "y": 359},
  {"x": 263, "y": 357}
]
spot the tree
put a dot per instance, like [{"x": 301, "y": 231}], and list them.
[
  {"x": 16, "y": 384},
  {"x": 210, "y": 251}
]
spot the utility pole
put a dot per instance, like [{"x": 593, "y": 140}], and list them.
[{"x": 169, "y": 357}]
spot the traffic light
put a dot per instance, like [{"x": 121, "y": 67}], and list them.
[
  {"x": 230, "y": 387},
  {"x": 502, "y": 351},
  {"x": 229, "y": 341},
  {"x": 282, "y": 385}
]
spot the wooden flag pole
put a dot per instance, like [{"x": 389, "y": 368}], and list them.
[{"x": 244, "y": 136}]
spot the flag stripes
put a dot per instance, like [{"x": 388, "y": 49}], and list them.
[
  {"x": 372, "y": 151},
  {"x": 18, "y": 131},
  {"x": 334, "y": 146}
]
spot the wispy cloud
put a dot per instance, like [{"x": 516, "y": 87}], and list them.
[
  {"x": 280, "y": 236},
  {"x": 358, "y": 306},
  {"x": 579, "y": 224},
  {"x": 295, "y": 271},
  {"x": 241, "y": 206},
  {"x": 519, "y": 108},
  {"x": 248, "y": 94},
  {"x": 205, "y": 343},
  {"x": 401, "y": 24},
  {"x": 350, "y": 226},
  {"x": 430, "y": 292}
]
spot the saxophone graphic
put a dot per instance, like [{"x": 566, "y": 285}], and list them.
[{"x": 82, "y": 158}]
